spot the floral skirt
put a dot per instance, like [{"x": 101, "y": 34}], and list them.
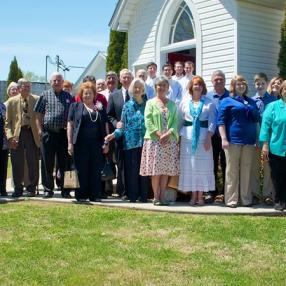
[{"x": 159, "y": 159}]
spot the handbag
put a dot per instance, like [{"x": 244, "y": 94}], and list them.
[
  {"x": 71, "y": 180},
  {"x": 108, "y": 172},
  {"x": 173, "y": 182},
  {"x": 70, "y": 176}
]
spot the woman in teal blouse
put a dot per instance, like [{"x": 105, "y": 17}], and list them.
[
  {"x": 160, "y": 149},
  {"x": 273, "y": 136},
  {"x": 133, "y": 131}
]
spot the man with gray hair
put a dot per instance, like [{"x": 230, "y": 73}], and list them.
[
  {"x": 218, "y": 93},
  {"x": 111, "y": 82},
  {"x": 23, "y": 138},
  {"x": 52, "y": 108}
]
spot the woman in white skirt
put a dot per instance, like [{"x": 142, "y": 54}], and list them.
[{"x": 197, "y": 125}]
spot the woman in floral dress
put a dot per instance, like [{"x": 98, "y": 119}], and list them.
[{"x": 160, "y": 150}]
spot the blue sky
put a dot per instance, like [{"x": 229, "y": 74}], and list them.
[{"x": 74, "y": 30}]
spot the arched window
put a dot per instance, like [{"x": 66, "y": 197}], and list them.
[{"x": 182, "y": 28}]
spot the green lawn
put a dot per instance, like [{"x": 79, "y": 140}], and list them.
[{"x": 55, "y": 244}]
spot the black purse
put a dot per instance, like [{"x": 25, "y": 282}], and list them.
[{"x": 109, "y": 171}]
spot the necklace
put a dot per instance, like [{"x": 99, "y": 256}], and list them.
[{"x": 89, "y": 110}]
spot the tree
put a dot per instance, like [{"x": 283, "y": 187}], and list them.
[
  {"x": 15, "y": 73},
  {"x": 282, "y": 54},
  {"x": 115, "y": 52},
  {"x": 30, "y": 76},
  {"x": 124, "y": 57}
]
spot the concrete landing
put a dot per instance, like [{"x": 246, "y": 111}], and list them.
[{"x": 178, "y": 207}]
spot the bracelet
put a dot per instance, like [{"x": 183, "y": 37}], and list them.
[{"x": 105, "y": 142}]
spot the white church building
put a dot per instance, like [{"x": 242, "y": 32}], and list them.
[{"x": 236, "y": 36}]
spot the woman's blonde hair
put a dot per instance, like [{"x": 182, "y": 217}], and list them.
[
  {"x": 269, "y": 88},
  {"x": 234, "y": 80}
]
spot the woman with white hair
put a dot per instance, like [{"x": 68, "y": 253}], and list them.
[{"x": 133, "y": 131}]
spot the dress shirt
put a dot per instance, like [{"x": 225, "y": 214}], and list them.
[
  {"x": 208, "y": 113},
  {"x": 55, "y": 108},
  {"x": 273, "y": 128},
  {"x": 263, "y": 101},
  {"x": 175, "y": 92},
  {"x": 125, "y": 94},
  {"x": 133, "y": 125},
  {"x": 185, "y": 83}
]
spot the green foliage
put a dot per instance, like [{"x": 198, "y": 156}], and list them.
[
  {"x": 282, "y": 54},
  {"x": 117, "y": 51},
  {"x": 124, "y": 57},
  {"x": 33, "y": 77},
  {"x": 15, "y": 73}
]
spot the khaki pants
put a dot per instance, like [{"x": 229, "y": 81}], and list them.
[
  {"x": 237, "y": 176},
  {"x": 268, "y": 188}
]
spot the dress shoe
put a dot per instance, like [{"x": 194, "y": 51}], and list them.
[
  {"x": 279, "y": 206},
  {"x": 17, "y": 194},
  {"x": 66, "y": 195},
  {"x": 31, "y": 194},
  {"x": 48, "y": 194},
  {"x": 4, "y": 194}
]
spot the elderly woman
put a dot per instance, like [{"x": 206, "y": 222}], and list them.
[
  {"x": 273, "y": 134},
  {"x": 198, "y": 120},
  {"x": 274, "y": 86},
  {"x": 87, "y": 126},
  {"x": 12, "y": 89},
  {"x": 237, "y": 119},
  {"x": 133, "y": 132},
  {"x": 160, "y": 150}
]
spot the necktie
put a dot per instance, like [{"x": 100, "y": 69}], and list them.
[{"x": 127, "y": 97}]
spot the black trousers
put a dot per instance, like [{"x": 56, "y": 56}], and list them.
[
  {"x": 53, "y": 144},
  {"x": 278, "y": 167},
  {"x": 89, "y": 161},
  {"x": 218, "y": 158},
  {"x": 27, "y": 149},
  {"x": 3, "y": 170},
  {"x": 136, "y": 186},
  {"x": 119, "y": 157}
]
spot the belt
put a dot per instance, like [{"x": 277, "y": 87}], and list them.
[{"x": 203, "y": 124}]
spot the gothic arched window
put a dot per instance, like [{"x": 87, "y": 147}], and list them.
[{"x": 182, "y": 28}]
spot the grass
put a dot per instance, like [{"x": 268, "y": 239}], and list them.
[{"x": 53, "y": 244}]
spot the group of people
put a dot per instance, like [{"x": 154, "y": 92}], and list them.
[{"x": 154, "y": 128}]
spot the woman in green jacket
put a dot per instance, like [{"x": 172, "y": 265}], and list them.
[
  {"x": 273, "y": 136},
  {"x": 160, "y": 148}
]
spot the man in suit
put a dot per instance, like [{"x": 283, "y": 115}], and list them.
[
  {"x": 23, "y": 138},
  {"x": 114, "y": 108}
]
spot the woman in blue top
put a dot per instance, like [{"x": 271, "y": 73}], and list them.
[
  {"x": 237, "y": 120},
  {"x": 133, "y": 131},
  {"x": 273, "y": 136}
]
